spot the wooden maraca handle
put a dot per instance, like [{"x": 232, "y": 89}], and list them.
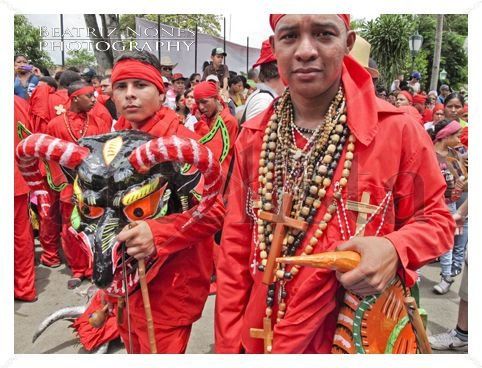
[
  {"x": 342, "y": 261},
  {"x": 97, "y": 318}
]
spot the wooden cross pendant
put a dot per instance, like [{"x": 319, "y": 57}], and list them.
[
  {"x": 266, "y": 333},
  {"x": 364, "y": 208},
  {"x": 283, "y": 222}
]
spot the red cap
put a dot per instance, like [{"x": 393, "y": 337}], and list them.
[
  {"x": 177, "y": 76},
  {"x": 438, "y": 107},
  {"x": 266, "y": 56},
  {"x": 408, "y": 95},
  {"x": 419, "y": 99},
  {"x": 275, "y": 18}
]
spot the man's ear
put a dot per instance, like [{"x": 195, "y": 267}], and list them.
[
  {"x": 350, "y": 40},
  {"x": 271, "y": 42}
]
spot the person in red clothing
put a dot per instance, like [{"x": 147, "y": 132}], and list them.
[
  {"x": 180, "y": 287},
  {"x": 216, "y": 118},
  {"x": 327, "y": 139},
  {"x": 24, "y": 257},
  {"x": 72, "y": 125}
]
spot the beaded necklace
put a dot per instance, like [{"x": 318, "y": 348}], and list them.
[
  {"x": 83, "y": 131},
  {"x": 305, "y": 173}
]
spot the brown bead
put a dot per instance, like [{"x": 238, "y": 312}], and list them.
[
  {"x": 305, "y": 211},
  {"x": 281, "y": 314},
  {"x": 282, "y": 306},
  {"x": 318, "y": 179},
  {"x": 271, "y": 155},
  {"x": 313, "y": 189},
  {"x": 269, "y": 186},
  {"x": 260, "y": 229},
  {"x": 350, "y": 147},
  {"x": 331, "y": 209},
  {"x": 327, "y": 217},
  {"x": 317, "y": 203},
  {"x": 290, "y": 239},
  {"x": 318, "y": 233},
  {"x": 313, "y": 241},
  {"x": 268, "y": 196},
  {"x": 331, "y": 148},
  {"x": 262, "y": 246},
  {"x": 263, "y": 254},
  {"x": 264, "y": 262},
  {"x": 342, "y": 119},
  {"x": 268, "y": 206},
  {"x": 345, "y": 173},
  {"x": 352, "y": 138},
  {"x": 264, "y": 146},
  {"x": 309, "y": 248},
  {"x": 322, "y": 225},
  {"x": 270, "y": 165},
  {"x": 343, "y": 181},
  {"x": 339, "y": 128},
  {"x": 274, "y": 125},
  {"x": 272, "y": 145},
  {"x": 273, "y": 136},
  {"x": 322, "y": 192},
  {"x": 270, "y": 237},
  {"x": 347, "y": 164},
  {"x": 326, "y": 182},
  {"x": 349, "y": 156},
  {"x": 269, "y": 312},
  {"x": 322, "y": 169},
  {"x": 337, "y": 195},
  {"x": 280, "y": 274},
  {"x": 327, "y": 159},
  {"x": 335, "y": 138},
  {"x": 309, "y": 201},
  {"x": 263, "y": 154},
  {"x": 269, "y": 175},
  {"x": 265, "y": 139},
  {"x": 260, "y": 170},
  {"x": 294, "y": 271}
]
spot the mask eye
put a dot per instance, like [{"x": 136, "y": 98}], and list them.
[
  {"x": 91, "y": 212},
  {"x": 145, "y": 207}
]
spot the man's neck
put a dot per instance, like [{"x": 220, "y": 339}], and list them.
[
  {"x": 276, "y": 85},
  {"x": 309, "y": 112},
  {"x": 74, "y": 109}
]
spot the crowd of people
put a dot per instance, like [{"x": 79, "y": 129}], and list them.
[{"x": 271, "y": 148}]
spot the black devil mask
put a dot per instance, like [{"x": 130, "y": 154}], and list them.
[{"x": 119, "y": 178}]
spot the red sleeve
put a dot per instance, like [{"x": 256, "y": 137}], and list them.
[
  {"x": 172, "y": 235},
  {"x": 233, "y": 277},
  {"x": 425, "y": 226}
]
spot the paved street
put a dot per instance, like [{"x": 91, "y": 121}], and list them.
[{"x": 58, "y": 338}]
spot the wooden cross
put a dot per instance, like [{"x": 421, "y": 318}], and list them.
[
  {"x": 282, "y": 221},
  {"x": 265, "y": 333},
  {"x": 364, "y": 208}
]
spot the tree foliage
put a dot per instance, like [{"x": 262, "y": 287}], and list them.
[
  {"x": 27, "y": 40},
  {"x": 207, "y": 23},
  {"x": 389, "y": 34},
  {"x": 80, "y": 59}
]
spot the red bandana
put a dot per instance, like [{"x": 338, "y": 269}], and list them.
[
  {"x": 275, "y": 18},
  {"x": 205, "y": 90},
  {"x": 82, "y": 91},
  {"x": 408, "y": 95},
  {"x": 266, "y": 56},
  {"x": 438, "y": 107},
  {"x": 130, "y": 68}
]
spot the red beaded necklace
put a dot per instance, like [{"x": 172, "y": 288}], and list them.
[{"x": 82, "y": 132}]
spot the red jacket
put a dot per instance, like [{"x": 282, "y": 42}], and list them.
[
  {"x": 181, "y": 283},
  {"x": 393, "y": 153}
]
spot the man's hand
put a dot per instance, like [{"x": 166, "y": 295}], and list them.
[
  {"x": 138, "y": 239},
  {"x": 378, "y": 265}
]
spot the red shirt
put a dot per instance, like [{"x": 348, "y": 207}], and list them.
[
  {"x": 180, "y": 279},
  {"x": 20, "y": 114},
  {"x": 392, "y": 153}
]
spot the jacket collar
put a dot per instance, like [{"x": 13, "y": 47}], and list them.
[{"x": 363, "y": 107}]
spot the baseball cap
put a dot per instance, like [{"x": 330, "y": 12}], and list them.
[
  {"x": 266, "y": 55},
  {"x": 416, "y": 75},
  {"x": 218, "y": 51},
  {"x": 165, "y": 80},
  {"x": 212, "y": 77},
  {"x": 178, "y": 76}
]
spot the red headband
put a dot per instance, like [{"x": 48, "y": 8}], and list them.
[
  {"x": 438, "y": 107},
  {"x": 130, "y": 68},
  {"x": 205, "y": 90},
  {"x": 275, "y": 18},
  {"x": 419, "y": 99},
  {"x": 407, "y": 95},
  {"x": 82, "y": 91},
  {"x": 452, "y": 128}
]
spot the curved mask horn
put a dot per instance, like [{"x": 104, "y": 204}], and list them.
[
  {"x": 46, "y": 147},
  {"x": 184, "y": 151}
]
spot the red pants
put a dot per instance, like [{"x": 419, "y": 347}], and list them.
[
  {"x": 77, "y": 259},
  {"x": 169, "y": 340},
  {"x": 24, "y": 252},
  {"x": 49, "y": 235}
]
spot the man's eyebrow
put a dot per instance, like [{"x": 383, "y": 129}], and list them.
[{"x": 322, "y": 24}]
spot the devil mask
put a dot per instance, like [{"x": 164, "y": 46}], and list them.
[{"x": 120, "y": 178}]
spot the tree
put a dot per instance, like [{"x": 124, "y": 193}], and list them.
[
  {"x": 388, "y": 35},
  {"x": 207, "y": 23},
  {"x": 27, "y": 40},
  {"x": 80, "y": 59},
  {"x": 102, "y": 43}
]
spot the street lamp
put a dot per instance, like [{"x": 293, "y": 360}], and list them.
[
  {"x": 443, "y": 75},
  {"x": 415, "y": 43}
]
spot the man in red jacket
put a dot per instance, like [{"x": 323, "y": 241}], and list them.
[
  {"x": 180, "y": 287},
  {"x": 24, "y": 257},
  {"x": 328, "y": 139},
  {"x": 72, "y": 125}
]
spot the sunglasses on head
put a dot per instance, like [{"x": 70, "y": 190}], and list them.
[{"x": 167, "y": 68}]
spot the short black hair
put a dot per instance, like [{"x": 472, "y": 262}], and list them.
[
  {"x": 73, "y": 69},
  {"x": 75, "y": 86},
  {"x": 437, "y": 128},
  {"x": 98, "y": 77},
  {"x": 58, "y": 75},
  {"x": 193, "y": 76},
  {"x": 141, "y": 55},
  {"x": 68, "y": 77},
  {"x": 234, "y": 80},
  {"x": 268, "y": 72},
  {"x": 253, "y": 73},
  {"x": 19, "y": 55},
  {"x": 453, "y": 95},
  {"x": 50, "y": 81}
]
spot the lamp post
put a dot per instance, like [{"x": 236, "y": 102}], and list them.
[
  {"x": 443, "y": 75},
  {"x": 415, "y": 43}
]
